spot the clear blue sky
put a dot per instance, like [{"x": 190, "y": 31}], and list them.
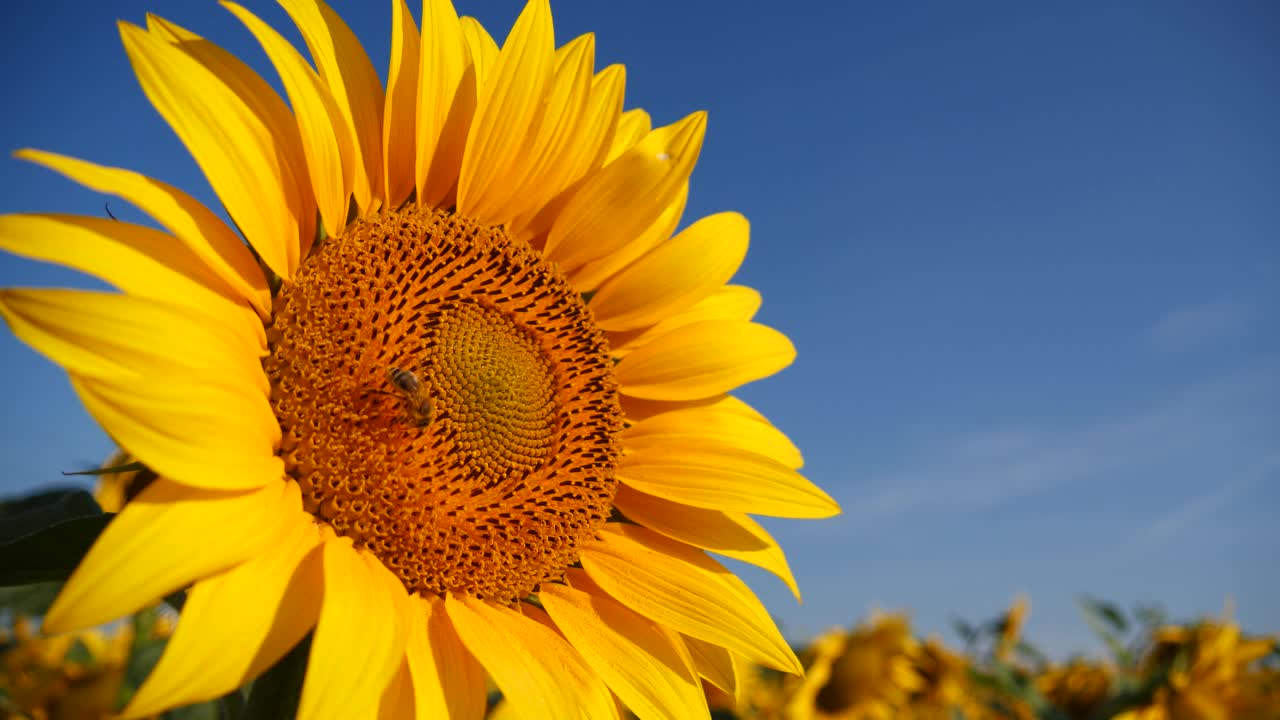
[{"x": 1030, "y": 257}]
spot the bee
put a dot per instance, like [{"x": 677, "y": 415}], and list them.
[{"x": 417, "y": 402}]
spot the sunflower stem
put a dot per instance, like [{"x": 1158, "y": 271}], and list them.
[{"x": 276, "y": 692}]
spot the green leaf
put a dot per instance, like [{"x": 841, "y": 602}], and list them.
[
  {"x": 1106, "y": 612},
  {"x": 29, "y": 600},
  {"x": 51, "y": 553},
  {"x": 1026, "y": 650},
  {"x": 1108, "y": 624},
  {"x": 1151, "y": 615},
  {"x": 231, "y": 705},
  {"x": 26, "y": 515},
  {"x": 79, "y": 653},
  {"x": 275, "y": 694},
  {"x": 967, "y": 632}
]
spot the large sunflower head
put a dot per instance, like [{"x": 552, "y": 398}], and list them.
[{"x": 450, "y": 393}]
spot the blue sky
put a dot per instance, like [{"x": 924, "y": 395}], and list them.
[{"x": 1030, "y": 257}]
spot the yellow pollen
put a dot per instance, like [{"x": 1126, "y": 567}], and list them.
[{"x": 447, "y": 402}]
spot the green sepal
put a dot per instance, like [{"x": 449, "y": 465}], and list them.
[{"x": 127, "y": 467}]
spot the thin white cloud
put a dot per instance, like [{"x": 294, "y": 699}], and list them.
[
  {"x": 1200, "y": 325},
  {"x": 1211, "y": 427},
  {"x": 1190, "y": 512}
]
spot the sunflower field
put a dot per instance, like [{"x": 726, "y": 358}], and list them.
[
  {"x": 1154, "y": 670},
  {"x": 878, "y": 669}
]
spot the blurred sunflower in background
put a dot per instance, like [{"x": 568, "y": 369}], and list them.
[
  {"x": 945, "y": 690},
  {"x": 1210, "y": 671},
  {"x": 1078, "y": 688},
  {"x": 868, "y": 673},
  {"x": 455, "y": 401},
  {"x": 74, "y": 676},
  {"x": 1010, "y": 628}
]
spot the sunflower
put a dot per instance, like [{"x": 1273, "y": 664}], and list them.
[
  {"x": 456, "y": 404},
  {"x": 867, "y": 674},
  {"x": 68, "y": 677},
  {"x": 1078, "y": 688},
  {"x": 1212, "y": 673},
  {"x": 1009, "y": 628},
  {"x": 945, "y": 690}
]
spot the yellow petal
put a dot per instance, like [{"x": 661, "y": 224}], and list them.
[
  {"x": 536, "y": 669},
  {"x": 633, "y": 126},
  {"x": 261, "y": 100},
  {"x": 137, "y": 260},
  {"x": 602, "y": 698},
  {"x": 326, "y": 141},
  {"x": 583, "y": 155},
  {"x": 122, "y": 337},
  {"x": 355, "y": 86},
  {"x": 713, "y": 663},
  {"x": 238, "y": 153},
  {"x": 629, "y": 651},
  {"x": 448, "y": 681},
  {"x": 196, "y": 412},
  {"x": 397, "y": 700},
  {"x": 481, "y": 47},
  {"x": 207, "y": 237},
  {"x": 638, "y": 409},
  {"x": 446, "y": 103},
  {"x": 682, "y": 588},
  {"x": 538, "y": 173},
  {"x": 591, "y": 275},
  {"x": 236, "y": 624},
  {"x": 703, "y": 359},
  {"x": 725, "y": 426},
  {"x": 627, "y": 195},
  {"x": 507, "y": 110},
  {"x": 604, "y": 113},
  {"x": 400, "y": 112},
  {"x": 203, "y": 435},
  {"x": 744, "y": 672},
  {"x": 675, "y": 275},
  {"x": 167, "y": 537},
  {"x": 731, "y": 302},
  {"x": 360, "y": 638},
  {"x": 731, "y": 534},
  {"x": 717, "y": 476}
]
